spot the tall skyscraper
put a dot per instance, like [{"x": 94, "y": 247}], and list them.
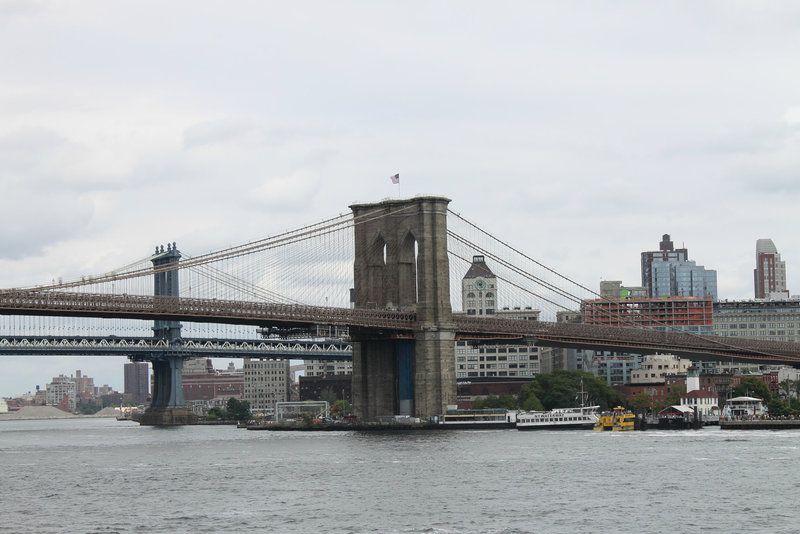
[
  {"x": 770, "y": 271},
  {"x": 668, "y": 272},
  {"x": 137, "y": 381}
]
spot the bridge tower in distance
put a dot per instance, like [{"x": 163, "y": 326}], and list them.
[
  {"x": 168, "y": 406},
  {"x": 401, "y": 263}
]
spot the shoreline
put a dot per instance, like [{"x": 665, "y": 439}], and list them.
[{"x": 40, "y": 413}]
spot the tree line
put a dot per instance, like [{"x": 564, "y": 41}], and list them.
[
  {"x": 559, "y": 389},
  {"x": 562, "y": 389}
]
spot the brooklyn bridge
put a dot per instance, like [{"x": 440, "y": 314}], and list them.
[{"x": 383, "y": 271}]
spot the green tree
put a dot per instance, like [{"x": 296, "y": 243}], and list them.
[
  {"x": 676, "y": 392},
  {"x": 238, "y": 410},
  {"x": 340, "y": 408},
  {"x": 507, "y": 401},
  {"x": 562, "y": 389},
  {"x": 641, "y": 402},
  {"x": 504, "y": 401},
  {"x": 527, "y": 399},
  {"x": 481, "y": 403},
  {"x": 778, "y": 407},
  {"x": 215, "y": 414},
  {"x": 752, "y": 387},
  {"x": 88, "y": 409},
  {"x": 329, "y": 395}
]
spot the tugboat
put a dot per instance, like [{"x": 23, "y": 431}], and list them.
[{"x": 617, "y": 420}]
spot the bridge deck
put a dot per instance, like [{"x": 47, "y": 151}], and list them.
[{"x": 393, "y": 322}]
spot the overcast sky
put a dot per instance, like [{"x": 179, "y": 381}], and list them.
[{"x": 580, "y": 132}]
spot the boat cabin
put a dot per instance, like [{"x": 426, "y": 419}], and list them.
[{"x": 744, "y": 407}]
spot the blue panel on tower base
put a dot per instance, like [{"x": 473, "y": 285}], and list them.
[{"x": 405, "y": 376}]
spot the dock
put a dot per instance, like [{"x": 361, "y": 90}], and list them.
[{"x": 760, "y": 424}]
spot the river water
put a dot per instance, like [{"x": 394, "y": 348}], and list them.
[{"x": 105, "y": 476}]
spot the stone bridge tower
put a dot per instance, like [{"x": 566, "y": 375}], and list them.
[{"x": 401, "y": 263}]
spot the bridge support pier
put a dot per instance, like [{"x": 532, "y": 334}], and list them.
[
  {"x": 401, "y": 262},
  {"x": 168, "y": 406}
]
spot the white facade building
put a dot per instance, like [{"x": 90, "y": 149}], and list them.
[
  {"x": 479, "y": 289},
  {"x": 266, "y": 382},
  {"x": 58, "y": 388},
  {"x": 479, "y": 298},
  {"x": 327, "y": 368},
  {"x": 655, "y": 367},
  {"x": 496, "y": 360},
  {"x": 769, "y": 320}
]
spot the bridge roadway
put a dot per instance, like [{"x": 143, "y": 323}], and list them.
[
  {"x": 393, "y": 323},
  {"x": 136, "y": 346}
]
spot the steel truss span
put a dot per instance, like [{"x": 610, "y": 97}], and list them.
[
  {"x": 147, "y": 346},
  {"x": 392, "y": 322}
]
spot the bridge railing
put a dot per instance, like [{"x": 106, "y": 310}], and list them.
[
  {"x": 24, "y": 302},
  {"x": 633, "y": 338}
]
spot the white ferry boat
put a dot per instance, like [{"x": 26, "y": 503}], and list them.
[
  {"x": 559, "y": 418},
  {"x": 478, "y": 419}
]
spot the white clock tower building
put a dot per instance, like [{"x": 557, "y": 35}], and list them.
[
  {"x": 479, "y": 289},
  {"x": 492, "y": 361}
]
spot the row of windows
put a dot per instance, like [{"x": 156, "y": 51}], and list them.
[
  {"x": 496, "y": 350},
  {"x": 532, "y": 357},
  {"x": 761, "y": 333},
  {"x": 776, "y": 337},
  {"x": 745, "y": 326},
  {"x": 471, "y": 374},
  {"x": 667, "y": 366},
  {"x": 773, "y": 317},
  {"x": 489, "y": 295},
  {"x": 470, "y": 287},
  {"x": 489, "y": 304},
  {"x": 493, "y": 366},
  {"x": 492, "y": 350}
]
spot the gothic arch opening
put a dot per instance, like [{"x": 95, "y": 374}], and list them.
[
  {"x": 408, "y": 283},
  {"x": 376, "y": 271}
]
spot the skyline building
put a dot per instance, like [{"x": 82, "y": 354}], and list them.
[
  {"x": 668, "y": 272},
  {"x": 202, "y": 383},
  {"x": 266, "y": 382},
  {"x": 479, "y": 288},
  {"x": 137, "y": 382},
  {"x": 492, "y": 361},
  {"x": 319, "y": 368},
  {"x": 568, "y": 358},
  {"x": 770, "y": 272},
  {"x": 60, "y": 389}
]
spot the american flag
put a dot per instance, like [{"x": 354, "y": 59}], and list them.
[{"x": 395, "y": 178}]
